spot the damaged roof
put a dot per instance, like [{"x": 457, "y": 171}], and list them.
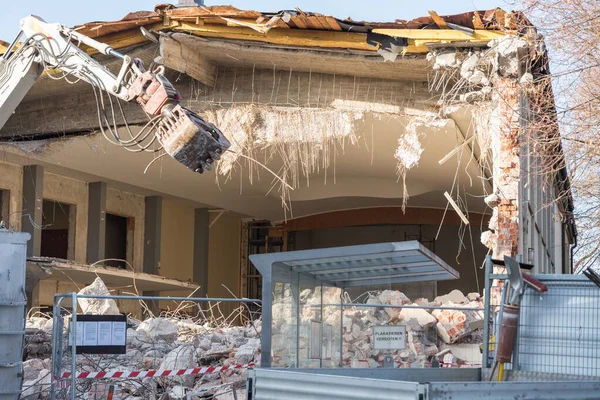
[{"x": 306, "y": 29}]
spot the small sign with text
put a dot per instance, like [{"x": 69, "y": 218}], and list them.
[
  {"x": 389, "y": 337},
  {"x": 100, "y": 334}
]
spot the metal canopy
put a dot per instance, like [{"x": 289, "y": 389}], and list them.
[{"x": 371, "y": 264}]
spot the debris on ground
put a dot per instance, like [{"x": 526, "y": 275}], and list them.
[
  {"x": 428, "y": 330},
  {"x": 177, "y": 341},
  {"x": 157, "y": 343}
]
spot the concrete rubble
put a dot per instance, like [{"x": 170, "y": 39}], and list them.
[
  {"x": 181, "y": 343},
  {"x": 429, "y": 330},
  {"x": 154, "y": 343},
  {"x": 97, "y": 306}
]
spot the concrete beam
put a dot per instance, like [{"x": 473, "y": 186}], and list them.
[
  {"x": 96, "y": 246},
  {"x": 180, "y": 56},
  {"x": 380, "y": 216},
  {"x": 33, "y": 197},
  {"x": 201, "y": 232},
  {"x": 77, "y": 113},
  {"x": 152, "y": 238}
]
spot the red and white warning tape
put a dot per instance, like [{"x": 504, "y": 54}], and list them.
[{"x": 155, "y": 372}]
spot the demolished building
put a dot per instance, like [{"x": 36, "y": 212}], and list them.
[{"x": 342, "y": 132}]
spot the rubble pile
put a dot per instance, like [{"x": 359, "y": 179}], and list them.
[
  {"x": 429, "y": 331},
  {"x": 155, "y": 343},
  {"x": 182, "y": 343}
]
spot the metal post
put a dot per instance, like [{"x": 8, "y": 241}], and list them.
[
  {"x": 501, "y": 312},
  {"x": 296, "y": 294},
  {"x": 54, "y": 349},
  {"x": 341, "y": 327},
  {"x": 322, "y": 330},
  {"x": 515, "y": 363},
  {"x": 73, "y": 344},
  {"x": 486, "y": 313}
]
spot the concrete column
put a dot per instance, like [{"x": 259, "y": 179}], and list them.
[
  {"x": 201, "y": 222},
  {"x": 152, "y": 238},
  {"x": 33, "y": 198},
  {"x": 96, "y": 239}
]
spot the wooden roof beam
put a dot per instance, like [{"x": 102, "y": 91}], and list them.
[
  {"x": 180, "y": 53},
  {"x": 439, "y": 21}
]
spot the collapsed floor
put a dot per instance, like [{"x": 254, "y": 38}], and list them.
[{"x": 434, "y": 336}]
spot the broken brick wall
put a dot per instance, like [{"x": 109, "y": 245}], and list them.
[{"x": 507, "y": 170}]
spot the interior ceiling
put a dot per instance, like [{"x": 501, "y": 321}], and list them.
[{"x": 364, "y": 174}]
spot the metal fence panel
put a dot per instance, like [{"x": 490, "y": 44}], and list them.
[
  {"x": 559, "y": 329},
  {"x": 557, "y": 338},
  {"x": 276, "y": 385},
  {"x": 89, "y": 375}
]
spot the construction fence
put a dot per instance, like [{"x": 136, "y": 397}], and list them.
[
  {"x": 557, "y": 336},
  {"x": 194, "y": 349}
]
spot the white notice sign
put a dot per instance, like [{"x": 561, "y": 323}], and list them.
[
  {"x": 119, "y": 330},
  {"x": 90, "y": 333},
  {"x": 105, "y": 333},
  {"x": 389, "y": 337},
  {"x": 79, "y": 341}
]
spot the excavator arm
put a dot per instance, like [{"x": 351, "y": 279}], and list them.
[{"x": 40, "y": 46}]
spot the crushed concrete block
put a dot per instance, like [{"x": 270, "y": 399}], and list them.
[
  {"x": 492, "y": 200},
  {"x": 177, "y": 392},
  {"x": 97, "y": 306},
  {"x": 395, "y": 298},
  {"x": 489, "y": 239},
  {"x": 422, "y": 302},
  {"x": 474, "y": 297},
  {"x": 469, "y": 65},
  {"x": 158, "y": 329},
  {"x": 478, "y": 78},
  {"x": 247, "y": 352},
  {"x": 36, "y": 323},
  {"x": 469, "y": 353},
  {"x": 454, "y": 297},
  {"x": 180, "y": 358},
  {"x": 422, "y": 317},
  {"x": 445, "y": 59},
  {"x": 456, "y": 324},
  {"x": 32, "y": 368},
  {"x": 507, "y": 54},
  {"x": 347, "y": 323}
]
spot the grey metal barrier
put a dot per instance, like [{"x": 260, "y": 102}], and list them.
[
  {"x": 65, "y": 359},
  {"x": 406, "y": 384},
  {"x": 558, "y": 330}
]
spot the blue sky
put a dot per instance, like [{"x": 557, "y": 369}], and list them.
[{"x": 73, "y": 12}]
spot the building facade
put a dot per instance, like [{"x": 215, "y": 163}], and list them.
[{"x": 342, "y": 133}]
